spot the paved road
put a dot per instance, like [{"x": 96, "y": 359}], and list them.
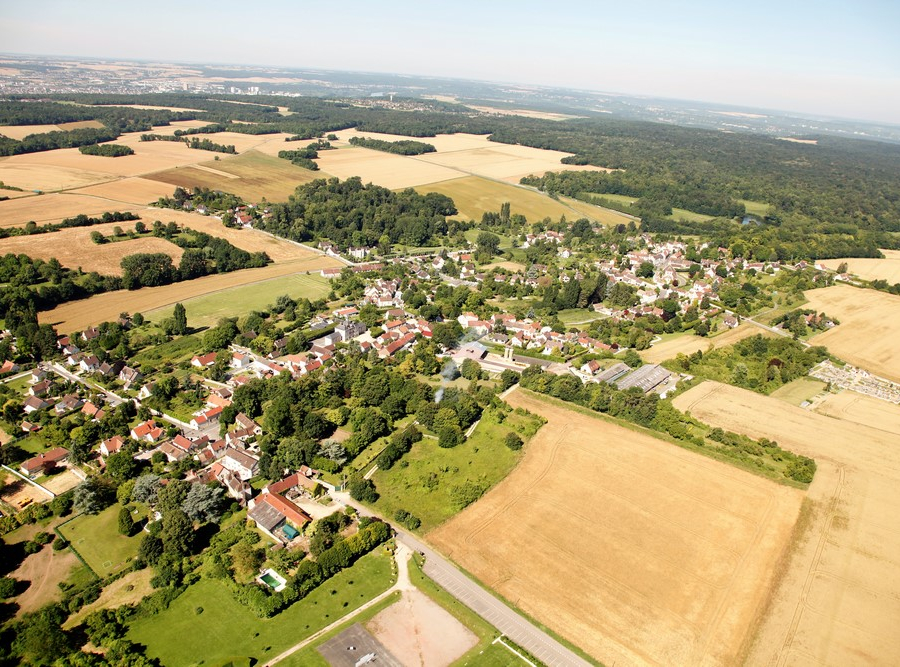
[
  {"x": 524, "y": 633},
  {"x": 114, "y": 399}
]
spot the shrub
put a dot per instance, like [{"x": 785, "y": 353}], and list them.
[{"x": 513, "y": 441}]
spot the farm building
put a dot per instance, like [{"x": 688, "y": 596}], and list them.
[{"x": 644, "y": 378}]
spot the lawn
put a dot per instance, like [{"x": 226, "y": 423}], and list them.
[
  {"x": 578, "y": 315},
  {"x": 208, "y": 309},
  {"x": 799, "y": 390},
  {"x": 423, "y": 481},
  {"x": 97, "y": 540},
  {"x": 624, "y": 200},
  {"x": 505, "y": 241},
  {"x": 226, "y": 629}
]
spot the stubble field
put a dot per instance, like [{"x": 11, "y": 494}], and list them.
[
  {"x": 871, "y": 269},
  {"x": 639, "y": 552},
  {"x": 839, "y": 597},
  {"x": 861, "y": 409},
  {"x": 53, "y": 208},
  {"x": 73, "y": 248},
  {"x": 867, "y": 335}
]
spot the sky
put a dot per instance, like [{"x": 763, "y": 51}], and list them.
[{"x": 826, "y": 58}]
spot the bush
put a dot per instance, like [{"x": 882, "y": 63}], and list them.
[
  {"x": 7, "y": 587},
  {"x": 43, "y": 538},
  {"x": 59, "y": 544}
]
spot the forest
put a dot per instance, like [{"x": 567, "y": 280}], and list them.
[
  {"x": 349, "y": 213},
  {"x": 396, "y": 147},
  {"x": 107, "y": 150}
]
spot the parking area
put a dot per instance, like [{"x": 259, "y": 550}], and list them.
[{"x": 356, "y": 647}]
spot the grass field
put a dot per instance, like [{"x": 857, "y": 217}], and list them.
[
  {"x": 129, "y": 589},
  {"x": 425, "y": 486},
  {"x": 172, "y": 351},
  {"x": 226, "y": 629},
  {"x": 688, "y": 216},
  {"x": 756, "y": 207},
  {"x": 605, "y": 216},
  {"x": 208, "y": 309},
  {"x": 616, "y": 199},
  {"x": 573, "y": 316},
  {"x": 840, "y": 593},
  {"x": 799, "y": 390},
  {"x": 671, "y": 347},
  {"x": 73, "y": 248},
  {"x": 865, "y": 315},
  {"x": 77, "y": 315},
  {"x": 96, "y": 538},
  {"x": 252, "y": 176},
  {"x": 132, "y": 190},
  {"x": 871, "y": 269},
  {"x": 637, "y": 551}
]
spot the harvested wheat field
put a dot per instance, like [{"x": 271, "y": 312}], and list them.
[
  {"x": 19, "y": 132},
  {"x": 417, "y": 631},
  {"x": 53, "y": 208},
  {"x": 504, "y": 162},
  {"x": 138, "y": 191},
  {"x": 45, "y": 177},
  {"x": 861, "y": 409},
  {"x": 443, "y": 143},
  {"x": 77, "y": 315},
  {"x": 839, "y": 598},
  {"x": 475, "y": 196},
  {"x": 865, "y": 315},
  {"x": 251, "y": 240},
  {"x": 638, "y": 551},
  {"x": 252, "y": 176},
  {"x": 690, "y": 343},
  {"x": 129, "y": 589},
  {"x": 871, "y": 269},
  {"x": 73, "y": 248},
  {"x": 384, "y": 169}
]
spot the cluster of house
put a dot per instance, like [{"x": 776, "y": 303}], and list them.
[
  {"x": 39, "y": 397},
  {"x": 528, "y": 334}
]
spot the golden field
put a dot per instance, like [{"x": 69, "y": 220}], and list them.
[
  {"x": 53, "y": 208},
  {"x": 690, "y": 343},
  {"x": 870, "y": 269},
  {"x": 637, "y": 551},
  {"x": 73, "y": 248},
  {"x": 839, "y": 597},
  {"x": 867, "y": 336}
]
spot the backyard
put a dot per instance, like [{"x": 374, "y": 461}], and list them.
[{"x": 97, "y": 540}]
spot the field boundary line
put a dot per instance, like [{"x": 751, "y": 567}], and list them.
[
  {"x": 62, "y": 537},
  {"x": 30, "y": 481},
  {"x": 499, "y": 640}
]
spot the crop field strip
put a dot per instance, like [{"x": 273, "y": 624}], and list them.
[
  {"x": 839, "y": 598},
  {"x": 651, "y": 581}
]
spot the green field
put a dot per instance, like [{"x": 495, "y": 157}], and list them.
[
  {"x": 97, "y": 540},
  {"x": 616, "y": 199},
  {"x": 505, "y": 241},
  {"x": 423, "y": 480},
  {"x": 756, "y": 207},
  {"x": 258, "y": 175},
  {"x": 688, "y": 216},
  {"x": 208, "y": 309},
  {"x": 172, "y": 352},
  {"x": 574, "y": 315},
  {"x": 799, "y": 390},
  {"x": 226, "y": 629}
]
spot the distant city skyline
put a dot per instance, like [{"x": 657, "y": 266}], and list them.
[{"x": 819, "y": 58}]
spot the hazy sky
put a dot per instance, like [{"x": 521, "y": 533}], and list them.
[{"x": 825, "y": 57}]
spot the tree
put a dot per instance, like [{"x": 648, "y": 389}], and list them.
[
  {"x": 488, "y": 244},
  {"x": 90, "y": 497},
  {"x": 645, "y": 270},
  {"x": 177, "y": 533},
  {"x": 470, "y": 369},
  {"x": 121, "y": 467},
  {"x": 150, "y": 549},
  {"x": 513, "y": 441},
  {"x": 363, "y": 490},
  {"x": 246, "y": 559},
  {"x": 180, "y": 317},
  {"x": 450, "y": 436},
  {"x": 126, "y": 523},
  {"x": 507, "y": 379},
  {"x": 203, "y": 503}
]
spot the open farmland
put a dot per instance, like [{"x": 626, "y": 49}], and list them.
[
  {"x": 132, "y": 190},
  {"x": 474, "y": 196},
  {"x": 865, "y": 315},
  {"x": 19, "y": 132},
  {"x": 252, "y": 176},
  {"x": 861, "y": 409},
  {"x": 44, "y": 177},
  {"x": 77, "y": 315},
  {"x": 638, "y": 551},
  {"x": 52, "y": 208},
  {"x": 839, "y": 598},
  {"x": 251, "y": 240},
  {"x": 208, "y": 309},
  {"x": 690, "y": 343},
  {"x": 73, "y": 248},
  {"x": 384, "y": 169},
  {"x": 869, "y": 268}
]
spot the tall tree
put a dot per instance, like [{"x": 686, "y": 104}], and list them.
[{"x": 180, "y": 316}]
